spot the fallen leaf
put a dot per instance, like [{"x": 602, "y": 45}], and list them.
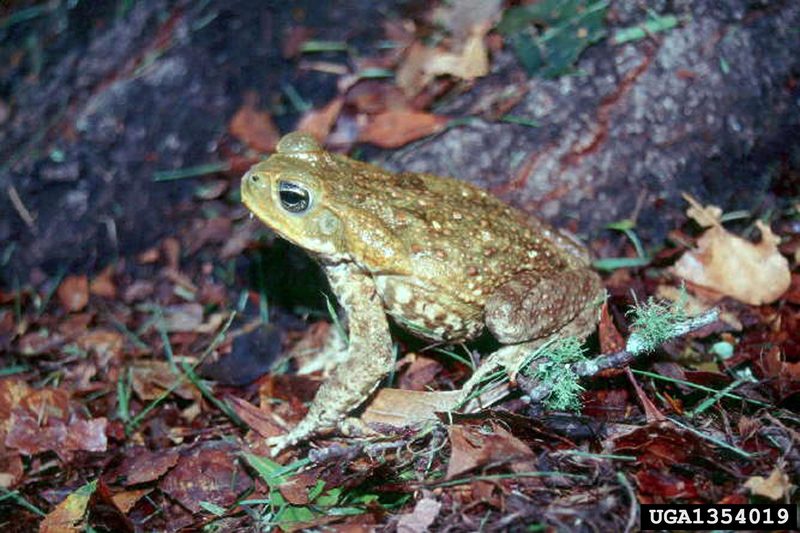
[
  {"x": 125, "y": 500},
  {"x": 775, "y": 487},
  {"x": 73, "y": 293},
  {"x": 12, "y": 391},
  {"x": 253, "y": 127},
  {"x": 376, "y": 96},
  {"x": 470, "y": 63},
  {"x": 104, "y": 344},
  {"x": 611, "y": 339},
  {"x": 399, "y": 407},
  {"x": 319, "y": 122},
  {"x": 137, "y": 291},
  {"x": 211, "y": 231},
  {"x": 39, "y": 342},
  {"x": 752, "y": 273},
  {"x": 419, "y": 373},
  {"x": 142, "y": 466},
  {"x": 149, "y": 380},
  {"x": 149, "y": 256},
  {"x": 209, "y": 473},
  {"x": 86, "y": 435},
  {"x": 706, "y": 216},
  {"x": 395, "y": 128},
  {"x": 104, "y": 512},
  {"x": 460, "y": 17},
  {"x": 172, "y": 246},
  {"x": 69, "y": 515},
  {"x": 30, "y": 436},
  {"x": 75, "y": 324},
  {"x": 258, "y": 420},
  {"x": 103, "y": 284},
  {"x": 183, "y": 317},
  {"x": 652, "y": 413},
  {"x": 11, "y": 468},
  {"x": 474, "y": 446},
  {"x": 420, "y": 519},
  {"x": 411, "y": 75}
]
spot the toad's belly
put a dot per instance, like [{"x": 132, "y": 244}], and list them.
[{"x": 431, "y": 314}]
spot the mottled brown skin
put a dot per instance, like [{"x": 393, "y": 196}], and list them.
[{"x": 442, "y": 257}]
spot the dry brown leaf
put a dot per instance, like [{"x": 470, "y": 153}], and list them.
[
  {"x": 420, "y": 519},
  {"x": 209, "y": 472},
  {"x": 473, "y": 446},
  {"x": 774, "y": 487},
  {"x": 68, "y": 515},
  {"x": 472, "y": 62},
  {"x": 257, "y": 419},
  {"x": 461, "y": 16},
  {"x": 73, "y": 293},
  {"x": 150, "y": 379},
  {"x": 253, "y": 127},
  {"x": 395, "y": 128},
  {"x": 411, "y": 76},
  {"x": 125, "y": 500},
  {"x": 103, "y": 284},
  {"x": 105, "y": 344},
  {"x": 398, "y": 407},
  {"x": 706, "y": 216},
  {"x": 141, "y": 465},
  {"x": 183, "y": 317},
  {"x": 752, "y": 273},
  {"x": 319, "y": 122},
  {"x": 419, "y": 371}
]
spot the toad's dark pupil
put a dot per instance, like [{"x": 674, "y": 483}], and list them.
[{"x": 293, "y": 197}]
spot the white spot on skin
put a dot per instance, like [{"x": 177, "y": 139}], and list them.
[{"x": 402, "y": 295}]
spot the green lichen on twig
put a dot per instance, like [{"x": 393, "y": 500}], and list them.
[
  {"x": 555, "y": 367},
  {"x": 654, "y": 323}
]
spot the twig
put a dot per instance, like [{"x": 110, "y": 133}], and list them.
[
  {"x": 634, "y": 348},
  {"x": 337, "y": 452},
  {"x": 22, "y": 211}
]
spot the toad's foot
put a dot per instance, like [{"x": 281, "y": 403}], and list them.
[{"x": 512, "y": 359}]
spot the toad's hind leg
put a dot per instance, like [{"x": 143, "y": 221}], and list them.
[
  {"x": 369, "y": 356},
  {"x": 531, "y": 309}
]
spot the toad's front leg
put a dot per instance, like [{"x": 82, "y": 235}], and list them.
[{"x": 369, "y": 356}]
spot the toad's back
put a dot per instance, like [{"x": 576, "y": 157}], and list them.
[{"x": 455, "y": 237}]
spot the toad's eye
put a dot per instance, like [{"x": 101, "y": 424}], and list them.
[{"x": 294, "y": 198}]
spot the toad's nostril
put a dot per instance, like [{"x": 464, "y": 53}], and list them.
[{"x": 254, "y": 178}]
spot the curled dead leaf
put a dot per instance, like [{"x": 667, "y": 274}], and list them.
[
  {"x": 69, "y": 515},
  {"x": 705, "y": 215},
  {"x": 773, "y": 487},
  {"x": 253, "y": 127},
  {"x": 400, "y": 407},
  {"x": 752, "y": 273},
  {"x": 470, "y": 63},
  {"x": 319, "y": 122},
  {"x": 420, "y": 519},
  {"x": 103, "y": 284},
  {"x": 395, "y": 128},
  {"x": 73, "y": 293}
]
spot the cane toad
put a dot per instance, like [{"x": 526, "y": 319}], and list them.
[{"x": 443, "y": 258}]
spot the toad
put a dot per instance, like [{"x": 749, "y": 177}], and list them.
[{"x": 443, "y": 258}]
